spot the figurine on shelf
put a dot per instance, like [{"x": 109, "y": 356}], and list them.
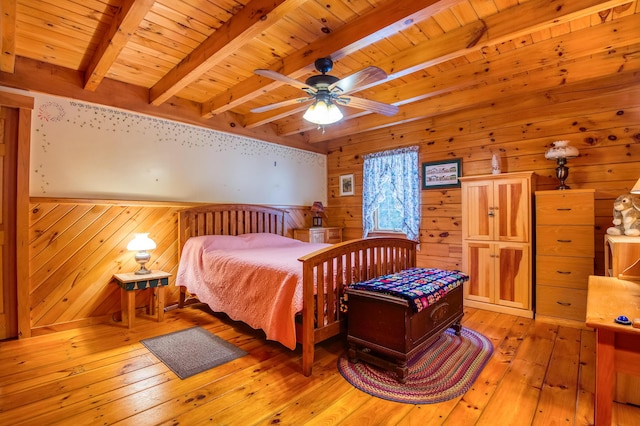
[{"x": 626, "y": 216}]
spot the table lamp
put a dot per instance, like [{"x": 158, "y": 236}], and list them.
[
  {"x": 560, "y": 151},
  {"x": 141, "y": 243},
  {"x": 317, "y": 209}
]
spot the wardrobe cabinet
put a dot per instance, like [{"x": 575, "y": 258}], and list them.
[
  {"x": 565, "y": 221},
  {"x": 497, "y": 241}
]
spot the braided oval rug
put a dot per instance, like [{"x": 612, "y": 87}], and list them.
[{"x": 444, "y": 370}]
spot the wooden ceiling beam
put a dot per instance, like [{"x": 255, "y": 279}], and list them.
[
  {"x": 492, "y": 30},
  {"x": 124, "y": 24},
  {"x": 7, "y": 35},
  {"x": 37, "y": 76},
  {"x": 544, "y": 78},
  {"x": 256, "y": 17},
  {"x": 437, "y": 131},
  {"x": 381, "y": 22}
]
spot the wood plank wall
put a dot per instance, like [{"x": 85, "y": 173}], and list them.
[
  {"x": 600, "y": 117},
  {"x": 75, "y": 247}
]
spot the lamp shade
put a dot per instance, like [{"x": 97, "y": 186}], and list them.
[
  {"x": 561, "y": 149},
  {"x": 636, "y": 188},
  {"x": 317, "y": 207},
  {"x": 323, "y": 111},
  {"x": 141, "y": 242}
]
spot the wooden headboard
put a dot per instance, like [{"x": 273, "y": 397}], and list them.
[{"x": 229, "y": 219}]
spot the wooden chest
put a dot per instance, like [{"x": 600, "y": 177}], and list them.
[{"x": 385, "y": 331}]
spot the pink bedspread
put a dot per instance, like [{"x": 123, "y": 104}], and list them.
[{"x": 254, "y": 278}]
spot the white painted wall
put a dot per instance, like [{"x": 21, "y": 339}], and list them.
[{"x": 82, "y": 150}]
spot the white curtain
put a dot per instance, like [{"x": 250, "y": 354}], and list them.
[{"x": 398, "y": 168}]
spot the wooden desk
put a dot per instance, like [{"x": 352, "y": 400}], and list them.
[{"x": 617, "y": 346}]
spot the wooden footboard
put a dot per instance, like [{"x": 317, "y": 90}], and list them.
[{"x": 333, "y": 268}]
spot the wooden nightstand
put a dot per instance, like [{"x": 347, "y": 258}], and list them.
[
  {"x": 331, "y": 235},
  {"x": 129, "y": 283}
]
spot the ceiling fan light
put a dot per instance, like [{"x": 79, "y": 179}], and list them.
[
  {"x": 334, "y": 113},
  {"x": 322, "y": 113}
]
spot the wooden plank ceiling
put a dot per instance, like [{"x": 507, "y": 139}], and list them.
[{"x": 204, "y": 52}]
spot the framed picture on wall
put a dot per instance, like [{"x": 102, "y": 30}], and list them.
[
  {"x": 346, "y": 185},
  {"x": 441, "y": 174}
]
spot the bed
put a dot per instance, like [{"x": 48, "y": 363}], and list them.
[{"x": 328, "y": 268}]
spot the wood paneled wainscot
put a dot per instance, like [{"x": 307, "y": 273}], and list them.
[
  {"x": 564, "y": 253},
  {"x": 496, "y": 241}
]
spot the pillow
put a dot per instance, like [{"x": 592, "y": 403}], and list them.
[
  {"x": 217, "y": 242},
  {"x": 260, "y": 240}
]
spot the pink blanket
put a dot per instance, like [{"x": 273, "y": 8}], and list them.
[{"x": 254, "y": 278}]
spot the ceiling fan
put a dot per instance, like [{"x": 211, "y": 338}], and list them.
[{"x": 327, "y": 91}]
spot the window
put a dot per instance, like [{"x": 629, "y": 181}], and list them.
[{"x": 391, "y": 194}]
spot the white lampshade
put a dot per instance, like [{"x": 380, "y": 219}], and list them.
[
  {"x": 636, "y": 188},
  {"x": 323, "y": 111},
  {"x": 141, "y": 242},
  {"x": 561, "y": 149}
]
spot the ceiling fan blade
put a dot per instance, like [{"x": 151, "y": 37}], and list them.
[
  {"x": 283, "y": 78},
  {"x": 280, "y": 104},
  {"x": 369, "y": 105},
  {"x": 360, "y": 78}
]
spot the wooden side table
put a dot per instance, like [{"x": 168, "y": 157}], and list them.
[
  {"x": 330, "y": 235},
  {"x": 621, "y": 255},
  {"x": 129, "y": 283},
  {"x": 617, "y": 346}
]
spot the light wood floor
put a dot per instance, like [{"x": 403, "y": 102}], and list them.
[{"x": 539, "y": 374}]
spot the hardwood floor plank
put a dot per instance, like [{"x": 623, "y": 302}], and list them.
[
  {"x": 102, "y": 374},
  {"x": 307, "y": 404},
  {"x": 74, "y": 381},
  {"x": 379, "y": 412},
  {"x": 559, "y": 393},
  {"x": 245, "y": 404},
  {"x": 474, "y": 401},
  {"x": 587, "y": 380},
  {"x": 522, "y": 383}
]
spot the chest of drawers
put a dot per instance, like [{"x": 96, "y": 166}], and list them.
[{"x": 564, "y": 253}]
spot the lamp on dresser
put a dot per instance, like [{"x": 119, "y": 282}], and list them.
[
  {"x": 560, "y": 151},
  {"x": 317, "y": 209}
]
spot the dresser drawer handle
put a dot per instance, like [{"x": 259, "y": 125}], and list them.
[
  {"x": 564, "y": 272},
  {"x": 564, "y": 303},
  {"x": 566, "y": 209},
  {"x": 564, "y": 241}
]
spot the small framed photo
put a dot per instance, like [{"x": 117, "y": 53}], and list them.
[
  {"x": 441, "y": 174},
  {"x": 346, "y": 185}
]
